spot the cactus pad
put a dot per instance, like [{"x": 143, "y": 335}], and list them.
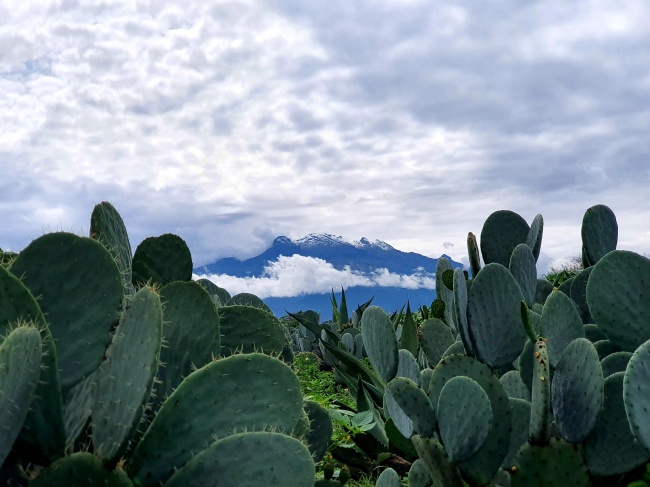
[
  {"x": 380, "y": 342},
  {"x": 522, "y": 267},
  {"x": 636, "y": 393},
  {"x": 435, "y": 339},
  {"x": 80, "y": 469},
  {"x": 560, "y": 324},
  {"x": 599, "y": 233},
  {"x": 502, "y": 232},
  {"x": 162, "y": 260},
  {"x": 435, "y": 459},
  {"x": 248, "y": 329}
]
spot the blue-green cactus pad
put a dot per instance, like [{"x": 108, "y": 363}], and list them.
[
  {"x": 320, "y": 429},
  {"x": 619, "y": 298},
  {"x": 636, "y": 393},
  {"x": 493, "y": 314},
  {"x": 456, "y": 348},
  {"x": 80, "y": 291},
  {"x": 408, "y": 367},
  {"x": 577, "y": 391},
  {"x": 615, "y": 362},
  {"x": 611, "y": 448},
  {"x": 558, "y": 464},
  {"x": 578, "y": 293},
  {"x": 605, "y": 348},
  {"x": 599, "y": 232},
  {"x": 388, "y": 478},
  {"x": 418, "y": 475},
  {"x": 435, "y": 339},
  {"x": 20, "y": 362},
  {"x": 514, "y": 386},
  {"x": 460, "y": 310},
  {"x": 525, "y": 362},
  {"x": 540, "y": 395},
  {"x": 502, "y": 232},
  {"x": 162, "y": 260},
  {"x": 465, "y": 417},
  {"x": 481, "y": 467},
  {"x": 78, "y": 404},
  {"x": 107, "y": 226},
  {"x": 542, "y": 290},
  {"x": 80, "y": 469},
  {"x": 561, "y": 324},
  {"x": 523, "y": 268},
  {"x": 534, "y": 238},
  {"x": 593, "y": 333},
  {"x": 219, "y": 295},
  {"x": 247, "y": 392},
  {"x": 519, "y": 434},
  {"x": 443, "y": 292},
  {"x": 43, "y": 429},
  {"x": 248, "y": 299},
  {"x": 125, "y": 378},
  {"x": 259, "y": 459},
  {"x": 248, "y": 329},
  {"x": 415, "y": 403},
  {"x": 435, "y": 459},
  {"x": 380, "y": 342}
]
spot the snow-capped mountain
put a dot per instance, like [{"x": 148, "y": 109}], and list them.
[
  {"x": 361, "y": 256},
  {"x": 299, "y": 274}
]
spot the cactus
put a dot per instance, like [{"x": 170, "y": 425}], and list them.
[
  {"x": 473, "y": 253},
  {"x": 248, "y": 299},
  {"x": 636, "y": 394},
  {"x": 522, "y": 267},
  {"x": 247, "y": 329},
  {"x": 599, "y": 233},
  {"x": 380, "y": 342},
  {"x": 162, "y": 260},
  {"x": 560, "y": 324},
  {"x": 502, "y": 232}
]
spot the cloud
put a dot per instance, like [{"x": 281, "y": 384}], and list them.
[
  {"x": 298, "y": 275},
  {"x": 409, "y": 122}
]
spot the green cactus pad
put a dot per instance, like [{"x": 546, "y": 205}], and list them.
[
  {"x": 20, "y": 362},
  {"x": 418, "y": 475},
  {"x": 593, "y": 333},
  {"x": 401, "y": 420},
  {"x": 443, "y": 292},
  {"x": 435, "y": 459},
  {"x": 493, "y": 314},
  {"x": 415, "y": 403},
  {"x": 502, "y": 232},
  {"x": 248, "y": 329},
  {"x": 619, "y": 298},
  {"x": 540, "y": 395},
  {"x": 519, "y": 435},
  {"x": 125, "y": 378},
  {"x": 615, "y": 362},
  {"x": 514, "y": 386},
  {"x": 578, "y": 293},
  {"x": 408, "y": 367},
  {"x": 534, "y": 238},
  {"x": 248, "y": 299},
  {"x": 43, "y": 429},
  {"x": 243, "y": 392},
  {"x": 523, "y": 269},
  {"x": 460, "y": 311},
  {"x": 456, "y": 348},
  {"x": 611, "y": 448},
  {"x": 80, "y": 469},
  {"x": 481, "y": 467},
  {"x": 380, "y": 342},
  {"x": 388, "y": 478},
  {"x": 257, "y": 459},
  {"x": 565, "y": 287},
  {"x": 599, "y": 232},
  {"x": 542, "y": 290},
  {"x": 78, "y": 403},
  {"x": 219, "y": 295},
  {"x": 80, "y": 291},
  {"x": 605, "y": 348},
  {"x": 162, "y": 260},
  {"x": 473, "y": 254},
  {"x": 320, "y": 429},
  {"x": 636, "y": 393},
  {"x": 525, "y": 362},
  {"x": 557, "y": 464},
  {"x": 435, "y": 339},
  {"x": 107, "y": 226},
  {"x": 399, "y": 444},
  {"x": 191, "y": 334},
  {"x": 577, "y": 391},
  {"x": 465, "y": 418},
  {"x": 561, "y": 324}
]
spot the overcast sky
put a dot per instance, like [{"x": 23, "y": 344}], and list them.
[{"x": 406, "y": 121}]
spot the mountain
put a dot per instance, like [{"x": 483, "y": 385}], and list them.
[{"x": 391, "y": 275}]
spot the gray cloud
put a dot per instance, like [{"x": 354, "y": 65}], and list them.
[{"x": 404, "y": 121}]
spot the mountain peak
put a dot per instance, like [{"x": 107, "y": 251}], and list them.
[{"x": 282, "y": 240}]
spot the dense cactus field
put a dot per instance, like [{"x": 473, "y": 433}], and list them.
[{"x": 116, "y": 369}]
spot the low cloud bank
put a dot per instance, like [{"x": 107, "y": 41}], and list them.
[{"x": 297, "y": 275}]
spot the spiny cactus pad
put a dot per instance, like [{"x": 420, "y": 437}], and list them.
[
  {"x": 493, "y": 314},
  {"x": 258, "y": 459},
  {"x": 242, "y": 392},
  {"x": 443, "y": 292},
  {"x": 534, "y": 238},
  {"x": 619, "y": 298},
  {"x": 599, "y": 232},
  {"x": 523, "y": 268},
  {"x": 514, "y": 386},
  {"x": 465, "y": 417},
  {"x": 636, "y": 393},
  {"x": 415, "y": 403},
  {"x": 560, "y": 324},
  {"x": 502, "y": 232},
  {"x": 20, "y": 362},
  {"x": 541, "y": 395},
  {"x": 125, "y": 378},
  {"x": 248, "y": 299},
  {"x": 380, "y": 342},
  {"x": 615, "y": 362},
  {"x": 80, "y": 290},
  {"x": 557, "y": 464},
  {"x": 482, "y": 466},
  {"x": 577, "y": 391},
  {"x": 162, "y": 260},
  {"x": 436, "y": 338},
  {"x": 519, "y": 435},
  {"x": 80, "y": 469},
  {"x": 388, "y": 478},
  {"x": 248, "y": 329},
  {"x": 436, "y": 461},
  {"x": 320, "y": 429},
  {"x": 460, "y": 311}
]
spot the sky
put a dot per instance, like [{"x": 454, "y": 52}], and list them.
[{"x": 233, "y": 122}]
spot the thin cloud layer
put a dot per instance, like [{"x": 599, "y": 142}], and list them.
[
  {"x": 408, "y": 122},
  {"x": 297, "y": 275}
]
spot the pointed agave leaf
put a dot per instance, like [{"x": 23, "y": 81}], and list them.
[{"x": 409, "y": 338}]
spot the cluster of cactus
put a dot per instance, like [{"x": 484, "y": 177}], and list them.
[
  {"x": 524, "y": 384},
  {"x": 119, "y": 370}
]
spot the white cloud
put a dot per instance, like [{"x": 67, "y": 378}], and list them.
[{"x": 297, "y": 275}]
